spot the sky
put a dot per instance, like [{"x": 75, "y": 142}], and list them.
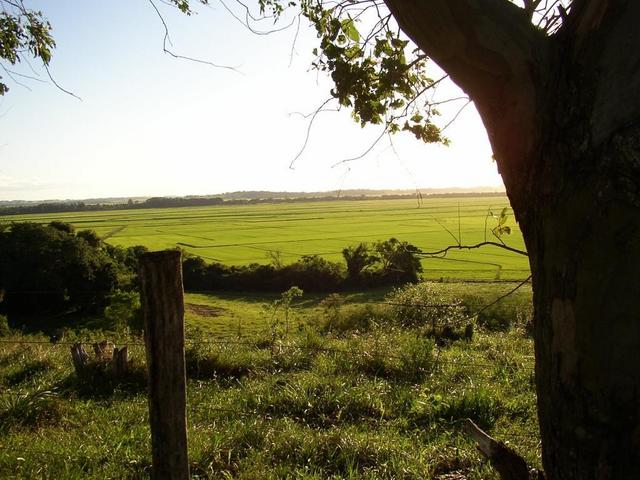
[{"x": 149, "y": 124}]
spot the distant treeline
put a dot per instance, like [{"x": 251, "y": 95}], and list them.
[{"x": 176, "y": 202}]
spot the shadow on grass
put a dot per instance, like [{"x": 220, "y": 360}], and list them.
[
  {"x": 34, "y": 411},
  {"x": 29, "y": 371}
]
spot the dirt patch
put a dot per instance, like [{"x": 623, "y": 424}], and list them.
[{"x": 204, "y": 310}]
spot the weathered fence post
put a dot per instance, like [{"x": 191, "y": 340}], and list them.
[{"x": 163, "y": 309}]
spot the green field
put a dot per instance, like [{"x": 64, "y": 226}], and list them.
[{"x": 243, "y": 234}]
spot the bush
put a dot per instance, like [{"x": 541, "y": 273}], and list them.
[
  {"x": 124, "y": 311},
  {"x": 5, "y": 330},
  {"x": 395, "y": 263},
  {"x": 339, "y": 318},
  {"x": 503, "y": 316},
  {"x": 514, "y": 310},
  {"x": 427, "y": 305},
  {"x": 376, "y": 355},
  {"x": 399, "y": 261}
]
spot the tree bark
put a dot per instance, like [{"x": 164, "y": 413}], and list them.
[
  {"x": 563, "y": 118},
  {"x": 584, "y": 249}
]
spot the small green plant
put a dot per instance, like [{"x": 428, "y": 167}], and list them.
[
  {"x": 479, "y": 405},
  {"x": 280, "y": 327},
  {"x": 38, "y": 410},
  {"x": 416, "y": 356},
  {"x": 5, "y": 330}
]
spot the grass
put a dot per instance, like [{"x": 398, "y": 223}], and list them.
[
  {"x": 243, "y": 234},
  {"x": 373, "y": 402},
  {"x": 232, "y": 315}
]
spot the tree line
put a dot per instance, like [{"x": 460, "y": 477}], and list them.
[
  {"x": 177, "y": 202},
  {"x": 52, "y": 269},
  {"x": 383, "y": 263}
]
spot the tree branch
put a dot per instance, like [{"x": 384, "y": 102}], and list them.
[
  {"x": 494, "y": 53},
  {"x": 446, "y": 250},
  {"x": 167, "y": 40},
  {"x": 470, "y": 38}
]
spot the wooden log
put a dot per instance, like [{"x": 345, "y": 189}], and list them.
[
  {"x": 163, "y": 311},
  {"x": 79, "y": 357},
  {"x": 505, "y": 460}
]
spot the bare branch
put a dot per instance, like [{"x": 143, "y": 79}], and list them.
[
  {"x": 17, "y": 82},
  {"x": 306, "y": 139},
  {"x": 167, "y": 39},
  {"x": 295, "y": 40},
  {"x": 365, "y": 153},
  {"x": 245, "y": 23},
  {"x": 503, "y": 296},
  {"x": 46, "y": 67},
  {"x": 444, "y": 251},
  {"x": 455, "y": 117}
]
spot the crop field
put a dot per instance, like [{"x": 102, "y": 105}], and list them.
[{"x": 243, "y": 234}]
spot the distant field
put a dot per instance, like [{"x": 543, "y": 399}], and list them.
[{"x": 242, "y": 234}]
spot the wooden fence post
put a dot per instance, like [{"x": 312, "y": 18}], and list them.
[{"x": 162, "y": 299}]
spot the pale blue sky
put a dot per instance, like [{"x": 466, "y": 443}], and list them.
[{"x": 153, "y": 125}]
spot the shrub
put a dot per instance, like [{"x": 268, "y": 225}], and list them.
[
  {"x": 399, "y": 260},
  {"x": 352, "y": 318},
  {"x": 503, "y": 316},
  {"x": 357, "y": 259},
  {"x": 124, "y": 312},
  {"x": 5, "y": 330},
  {"x": 376, "y": 355},
  {"x": 427, "y": 305}
]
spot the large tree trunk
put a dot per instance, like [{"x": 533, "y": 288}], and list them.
[
  {"x": 563, "y": 118},
  {"x": 584, "y": 247}
]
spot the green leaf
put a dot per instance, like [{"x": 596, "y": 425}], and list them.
[{"x": 349, "y": 28}]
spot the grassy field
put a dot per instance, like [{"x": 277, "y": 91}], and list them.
[
  {"x": 335, "y": 387},
  {"x": 356, "y": 397},
  {"x": 242, "y": 234},
  {"x": 230, "y": 315}
]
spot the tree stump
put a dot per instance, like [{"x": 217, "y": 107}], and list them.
[{"x": 114, "y": 360}]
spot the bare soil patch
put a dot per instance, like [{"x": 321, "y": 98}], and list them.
[{"x": 204, "y": 310}]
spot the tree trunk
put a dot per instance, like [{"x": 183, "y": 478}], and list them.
[
  {"x": 562, "y": 114},
  {"x": 584, "y": 247}
]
